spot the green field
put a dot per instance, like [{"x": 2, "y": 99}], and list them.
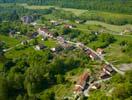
[
  {"x": 114, "y": 52},
  {"x": 114, "y": 28},
  {"x": 9, "y": 41}
]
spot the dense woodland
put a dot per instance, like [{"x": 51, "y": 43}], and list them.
[
  {"x": 14, "y": 12},
  {"x": 121, "y": 6}
]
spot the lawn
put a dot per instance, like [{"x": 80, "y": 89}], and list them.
[
  {"x": 26, "y": 50},
  {"x": 50, "y": 43},
  {"x": 9, "y": 41}
]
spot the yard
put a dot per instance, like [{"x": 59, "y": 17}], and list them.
[{"x": 9, "y": 41}]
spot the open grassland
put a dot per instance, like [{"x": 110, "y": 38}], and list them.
[
  {"x": 114, "y": 52},
  {"x": 115, "y": 28}
]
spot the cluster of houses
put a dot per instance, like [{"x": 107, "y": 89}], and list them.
[
  {"x": 64, "y": 43},
  {"x": 107, "y": 71},
  {"x": 13, "y": 33},
  {"x": 55, "y": 23},
  {"x": 27, "y": 19},
  {"x": 45, "y": 32},
  {"x": 92, "y": 55},
  {"x": 83, "y": 83}
]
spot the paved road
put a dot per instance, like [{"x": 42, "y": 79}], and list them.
[{"x": 101, "y": 58}]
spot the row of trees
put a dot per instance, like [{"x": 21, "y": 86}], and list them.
[
  {"x": 117, "y": 19},
  {"x": 101, "y": 41}
]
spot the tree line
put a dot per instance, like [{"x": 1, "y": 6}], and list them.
[{"x": 121, "y": 6}]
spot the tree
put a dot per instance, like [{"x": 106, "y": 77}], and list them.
[
  {"x": 60, "y": 79},
  {"x": 8, "y": 64},
  {"x": 55, "y": 34},
  {"x": 48, "y": 95},
  {"x": 105, "y": 37},
  {"x": 66, "y": 31},
  {"x": 3, "y": 89}
]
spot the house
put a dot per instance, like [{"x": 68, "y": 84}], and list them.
[
  {"x": 53, "y": 49},
  {"x": 95, "y": 86},
  {"x": 33, "y": 23},
  {"x": 80, "y": 21},
  {"x": 69, "y": 26},
  {"x": 55, "y": 23},
  {"x": 45, "y": 32},
  {"x": 12, "y": 33},
  {"x": 24, "y": 42},
  {"x": 50, "y": 34},
  {"x": 92, "y": 55},
  {"x": 104, "y": 75},
  {"x": 80, "y": 45},
  {"x": 40, "y": 47},
  {"x": 108, "y": 69},
  {"x": 34, "y": 35},
  {"x": 81, "y": 83},
  {"x": 60, "y": 39},
  {"x": 100, "y": 51},
  {"x": 27, "y": 19}
]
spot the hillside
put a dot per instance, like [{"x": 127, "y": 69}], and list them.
[{"x": 65, "y": 50}]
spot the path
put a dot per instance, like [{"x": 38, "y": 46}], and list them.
[{"x": 6, "y": 50}]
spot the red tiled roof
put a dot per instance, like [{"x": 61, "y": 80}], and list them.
[{"x": 83, "y": 78}]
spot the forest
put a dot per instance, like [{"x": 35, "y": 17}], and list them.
[{"x": 120, "y": 6}]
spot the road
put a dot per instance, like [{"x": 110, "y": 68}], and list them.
[
  {"x": 86, "y": 92},
  {"x": 75, "y": 44},
  {"x": 101, "y": 58}
]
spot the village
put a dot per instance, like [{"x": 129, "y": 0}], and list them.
[
  {"x": 85, "y": 83},
  {"x": 65, "y": 50}
]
